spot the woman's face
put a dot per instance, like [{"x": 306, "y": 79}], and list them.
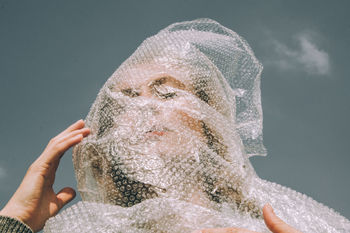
[
  {"x": 163, "y": 102},
  {"x": 157, "y": 129},
  {"x": 158, "y": 141}
]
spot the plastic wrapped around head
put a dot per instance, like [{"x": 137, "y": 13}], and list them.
[
  {"x": 178, "y": 119},
  {"x": 172, "y": 131}
]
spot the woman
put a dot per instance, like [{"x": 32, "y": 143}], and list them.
[{"x": 171, "y": 133}]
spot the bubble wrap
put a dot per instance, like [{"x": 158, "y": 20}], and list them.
[{"x": 172, "y": 132}]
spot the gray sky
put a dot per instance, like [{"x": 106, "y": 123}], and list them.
[{"x": 56, "y": 55}]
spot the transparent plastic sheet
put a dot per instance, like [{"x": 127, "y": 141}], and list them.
[{"x": 172, "y": 131}]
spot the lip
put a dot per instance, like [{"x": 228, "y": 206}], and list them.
[{"x": 158, "y": 131}]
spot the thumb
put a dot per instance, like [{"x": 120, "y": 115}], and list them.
[
  {"x": 65, "y": 196},
  {"x": 274, "y": 223}
]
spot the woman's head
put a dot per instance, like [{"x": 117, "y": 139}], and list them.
[{"x": 173, "y": 120}]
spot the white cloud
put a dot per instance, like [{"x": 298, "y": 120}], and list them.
[
  {"x": 2, "y": 172},
  {"x": 314, "y": 59},
  {"x": 306, "y": 56}
]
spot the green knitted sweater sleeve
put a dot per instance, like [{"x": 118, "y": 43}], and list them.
[{"x": 12, "y": 225}]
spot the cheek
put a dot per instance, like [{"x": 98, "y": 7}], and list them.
[
  {"x": 189, "y": 122},
  {"x": 181, "y": 116}
]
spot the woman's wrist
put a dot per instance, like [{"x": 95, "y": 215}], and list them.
[{"x": 10, "y": 211}]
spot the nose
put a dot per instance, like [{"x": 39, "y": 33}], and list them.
[{"x": 146, "y": 91}]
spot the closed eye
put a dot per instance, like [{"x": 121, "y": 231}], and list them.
[
  {"x": 130, "y": 92},
  {"x": 168, "y": 95}
]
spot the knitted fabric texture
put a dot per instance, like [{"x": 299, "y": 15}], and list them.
[{"x": 12, "y": 225}]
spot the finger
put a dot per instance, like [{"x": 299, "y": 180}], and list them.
[
  {"x": 66, "y": 142},
  {"x": 85, "y": 132},
  {"x": 274, "y": 223},
  {"x": 77, "y": 125},
  {"x": 52, "y": 154},
  {"x": 56, "y": 151},
  {"x": 65, "y": 196}
]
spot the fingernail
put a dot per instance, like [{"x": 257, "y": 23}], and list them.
[
  {"x": 269, "y": 207},
  {"x": 87, "y": 132}
]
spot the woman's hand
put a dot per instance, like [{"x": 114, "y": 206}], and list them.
[
  {"x": 35, "y": 201},
  {"x": 274, "y": 223}
]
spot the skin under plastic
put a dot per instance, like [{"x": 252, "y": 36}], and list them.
[{"x": 172, "y": 131}]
